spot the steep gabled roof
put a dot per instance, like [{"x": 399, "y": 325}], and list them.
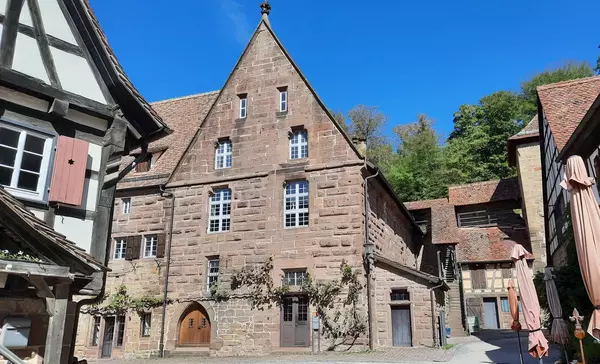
[
  {"x": 566, "y": 103},
  {"x": 444, "y": 229},
  {"x": 484, "y": 192},
  {"x": 491, "y": 244},
  {"x": 34, "y": 234},
  {"x": 184, "y": 115},
  {"x": 264, "y": 22}
]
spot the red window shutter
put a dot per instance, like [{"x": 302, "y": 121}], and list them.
[{"x": 68, "y": 176}]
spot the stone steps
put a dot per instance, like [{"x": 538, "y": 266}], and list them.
[{"x": 187, "y": 353}]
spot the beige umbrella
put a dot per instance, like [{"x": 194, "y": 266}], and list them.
[
  {"x": 513, "y": 304},
  {"x": 559, "y": 333},
  {"x": 586, "y": 230},
  {"x": 538, "y": 345}
]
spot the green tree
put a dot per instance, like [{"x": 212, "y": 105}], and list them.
[
  {"x": 340, "y": 118},
  {"x": 416, "y": 170},
  {"x": 366, "y": 123}
]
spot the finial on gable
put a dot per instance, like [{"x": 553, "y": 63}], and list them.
[{"x": 265, "y": 10}]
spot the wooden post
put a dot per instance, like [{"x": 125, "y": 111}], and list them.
[{"x": 56, "y": 324}]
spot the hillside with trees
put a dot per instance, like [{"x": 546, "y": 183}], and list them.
[{"x": 423, "y": 165}]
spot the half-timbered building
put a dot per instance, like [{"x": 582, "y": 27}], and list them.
[{"x": 67, "y": 114}]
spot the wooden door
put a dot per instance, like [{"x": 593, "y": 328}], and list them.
[
  {"x": 401, "y": 326},
  {"x": 295, "y": 329},
  {"x": 490, "y": 313},
  {"x": 194, "y": 329},
  {"x": 109, "y": 335}
]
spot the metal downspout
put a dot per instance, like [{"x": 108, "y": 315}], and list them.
[
  {"x": 368, "y": 258},
  {"x": 167, "y": 269},
  {"x": 100, "y": 296}
]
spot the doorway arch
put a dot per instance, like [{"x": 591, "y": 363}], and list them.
[{"x": 194, "y": 326}]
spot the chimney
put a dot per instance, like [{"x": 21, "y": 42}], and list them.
[{"x": 361, "y": 145}]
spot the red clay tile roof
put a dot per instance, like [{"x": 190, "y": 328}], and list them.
[
  {"x": 443, "y": 219},
  {"x": 15, "y": 220},
  {"x": 184, "y": 116},
  {"x": 483, "y": 192},
  {"x": 491, "y": 244},
  {"x": 566, "y": 103}
]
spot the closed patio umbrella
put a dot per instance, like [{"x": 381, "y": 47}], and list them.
[
  {"x": 513, "y": 304},
  {"x": 559, "y": 332},
  {"x": 538, "y": 345},
  {"x": 586, "y": 230}
]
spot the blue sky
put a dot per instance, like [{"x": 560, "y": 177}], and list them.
[{"x": 406, "y": 57}]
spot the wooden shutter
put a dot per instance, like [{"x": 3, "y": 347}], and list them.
[
  {"x": 68, "y": 177},
  {"x": 160, "y": 248},
  {"x": 137, "y": 246},
  {"x": 129, "y": 249},
  {"x": 478, "y": 278}
]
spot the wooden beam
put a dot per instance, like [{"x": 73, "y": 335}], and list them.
[
  {"x": 42, "y": 41},
  {"x": 59, "y": 108},
  {"x": 24, "y": 268},
  {"x": 56, "y": 324},
  {"x": 9, "y": 32},
  {"x": 43, "y": 291}
]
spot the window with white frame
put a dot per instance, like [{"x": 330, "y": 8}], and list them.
[
  {"x": 24, "y": 161},
  {"x": 243, "y": 106},
  {"x": 120, "y": 248},
  {"x": 223, "y": 154},
  {"x": 146, "y": 323},
  {"x": 126, "y": 206},
  {"x": 96, "y": 331},
  {"x": 150, "y": 246},
  {"x": 296, "y": 204},
  {"x": 220, "y": 211},
  {"x": 294, "y": 277},
  {"x": 299, "y": 144},
  {"x": 212, "y": 276},
  {"x": 283, "y": 99}
]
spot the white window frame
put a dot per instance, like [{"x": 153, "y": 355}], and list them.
[
  {"x": 120, "y": 249},
  {"x": 96, "y": 324},
  {"x": 223, "y": 154},
  {"x": 151, "y": 240},
  {"x": 243, "y": 107},
  {"x": 299, "y": 276},
  {"x": 146, "y": 324},
  {"x": 283, "y": 100},
  {"x": 126, "y": 205},
  {"x": 292, "y": 192},
  {"x": 212, "y": 277},
  {"x": 299, "y": 142},
  {"x": 220, "y": 200},
  {"x": 40, "y": 194}
]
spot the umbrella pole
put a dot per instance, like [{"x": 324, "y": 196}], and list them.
[
  {"x": 566, "y": 354},
  {"x": 520, "y": 349}
]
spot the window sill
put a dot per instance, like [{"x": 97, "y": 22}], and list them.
[
  {"x": 240, "y": 119},
  {"x": 25, "y": 195},
  {"x": 281, "y": 114},
  {"x": 295, "y": 227}
]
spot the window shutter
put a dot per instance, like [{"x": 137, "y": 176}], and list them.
[
  {"x": 68, "y": 175},
  {"x": 160, "y": 248},
  {"x": 129, "y": 249},
  {"x": 137, "y": 246}
]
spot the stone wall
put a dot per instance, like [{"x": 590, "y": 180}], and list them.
[
  {"x": 529, "y": 169},
  {"x": 386, "y": 279}
]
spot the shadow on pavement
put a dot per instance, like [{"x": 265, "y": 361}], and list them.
[{"x": 504, "y": 348}]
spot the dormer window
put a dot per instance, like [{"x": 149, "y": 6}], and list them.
[
  {"x": 243, "y": 106},
  {"x": 283, "y": 99},
  {"x": 24, "y": 161}
]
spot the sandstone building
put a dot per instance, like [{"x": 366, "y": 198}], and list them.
[{"x": 258, "y": 170}]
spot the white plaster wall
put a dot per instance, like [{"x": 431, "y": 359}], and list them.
[
  {"x": 77, "y": 230},
  {"x": 28, "y": 59},
  {"x": 90, "y": 189},
  {"x": 76, "y": 76},
  {"x": 54, "y": 21},
  {"x": 38, "y": 213},
  {"x": 87, "y": 120}
]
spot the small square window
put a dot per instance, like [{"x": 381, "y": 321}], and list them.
[
  {"x": 150, "y": 246},
  {"x": 294, "y": 277},
  {"x": 243, "y": 106},
  {"x": 146, "y": 323},
  {"x": 400, "y": 295},
  {"x": 126, "y": 206},
  {"x": 283, "y": 99}
]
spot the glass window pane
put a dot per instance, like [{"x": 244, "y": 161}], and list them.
[
  {"x": 31, "y": 162},
  {"x": 28, "y": 181},
  {"x": 5, "y": 175},
  {"x": 34, "y": 144},
  {"x": 7, "y": 156},
  {"x": 9, "y": 137}
]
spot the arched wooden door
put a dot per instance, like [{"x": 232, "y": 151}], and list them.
[{"x": 194, "y": 329}]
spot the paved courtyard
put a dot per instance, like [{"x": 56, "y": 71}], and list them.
[{"x": 499, "y": 347}]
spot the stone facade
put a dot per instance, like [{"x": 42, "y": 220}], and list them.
[
  {"x": 529, "y": 170},
  {"x": 260, "y": 169}
]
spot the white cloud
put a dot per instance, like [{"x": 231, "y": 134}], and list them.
[{"x": 234, "y": 11}]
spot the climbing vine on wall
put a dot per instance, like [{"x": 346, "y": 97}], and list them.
[
  {"x": 335, "y": 301},
  {"x": 120, "y": 302}
]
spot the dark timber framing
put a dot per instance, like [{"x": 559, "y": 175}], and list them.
[
  {"x": 9, "y": 32},
  {"x": 42, "y": 41}
]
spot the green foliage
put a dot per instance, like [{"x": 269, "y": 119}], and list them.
[
  {"x": 120, "y": 302},
  {"x": 339, "y": 314}
]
